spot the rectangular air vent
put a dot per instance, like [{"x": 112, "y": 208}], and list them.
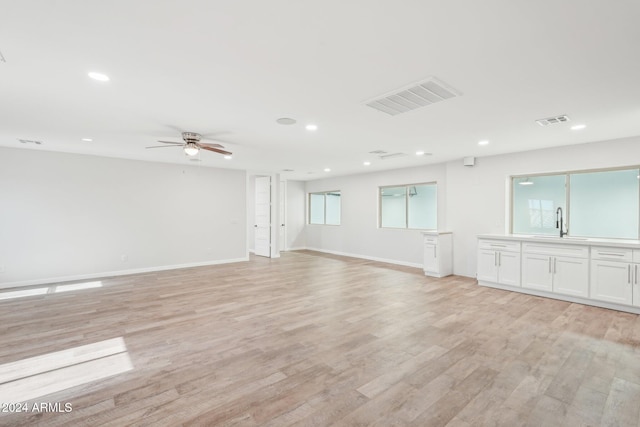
[
  {"x": 392, "y": 156},
  {"x": 413, "y": 96},
  {"x": 553, "y": 120},
  {"x": 377, "y": 152},
  {"x": 30, "y": 141}
]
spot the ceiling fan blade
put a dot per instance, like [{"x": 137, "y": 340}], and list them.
[
  {"x": 216, "y": 150},
  {"x": 163, "y": 146},
  {"x": 204, "y": 144},
  {"x": 171, "y": 142}
]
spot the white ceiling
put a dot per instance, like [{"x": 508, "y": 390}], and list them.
[{"x": 232, "y": 68}]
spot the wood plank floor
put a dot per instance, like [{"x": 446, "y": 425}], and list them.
[{"x": 315, "y": 340}]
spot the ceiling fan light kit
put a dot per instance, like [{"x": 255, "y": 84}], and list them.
[
  {"x": 191, "y": 149},
  {"x": 192, "y": 145}
]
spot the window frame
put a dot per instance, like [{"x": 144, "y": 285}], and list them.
[
  {"x": 406, "y": 213},
  {"x": 567, "y": 174},
  {"x": 324, "y": 213}
]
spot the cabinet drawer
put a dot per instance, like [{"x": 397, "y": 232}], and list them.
[
  {"x": 430, "y": 239},
  {"x": 612, "y": 254},
  {"x": 636, "y": 255},
  {"x": 499, "y": 245},
  {"x": 575, "y": 251}
]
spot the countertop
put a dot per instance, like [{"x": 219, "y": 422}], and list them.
[{"x": 618, "y": 243}]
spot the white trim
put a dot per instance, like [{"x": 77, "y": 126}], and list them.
[
  {"x": 370, "y": 258},
  {"x": 252, "y": 251},
  {"x": 50, "y": 280},
  {"x": 297, "y": 248},
  {"x": 585, "y": 301}
]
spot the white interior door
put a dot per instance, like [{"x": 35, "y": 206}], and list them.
[
  {"x": 263, "y": 216},
  {"x": 282, "y": 214}
]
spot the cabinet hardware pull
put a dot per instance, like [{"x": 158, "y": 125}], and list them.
[
  {"x": 629, "y": 273},
  {"x": 435, "y": 254},
  {"x": 636, "y": 274},
  {"x": 610, "y": 254},
  {"x": 499, "y": 246},
  {"x": 555, "y": 265},
  {"x": 499, "y": 259},
  {"x": 549, "y": 265},
  {"x": 495, "y": 259}
]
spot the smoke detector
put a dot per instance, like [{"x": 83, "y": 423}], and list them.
[
  {"x": 553, "y": 120},
  {"x": 413, "y": 96}
]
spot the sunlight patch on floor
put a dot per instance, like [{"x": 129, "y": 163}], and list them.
[{"x": 38, "y": 376}]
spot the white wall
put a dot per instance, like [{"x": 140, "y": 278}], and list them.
[
  {"x": 358, "y": 233},
  {"x": 477, "y": 196},
  {"x": 296, "y": 219},
  {"x": 471, "y": 200},
  {"x": 65, "y": 216}
]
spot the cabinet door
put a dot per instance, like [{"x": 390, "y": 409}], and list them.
[
  {"x": 636, "y": 284},
  {"x": 431, "y": 258},
  {"x": 536, "y": 272},
  {"x": 509, "y": 268},
  {"x": 611, "y": 281},
  {"x": 571, "y": 276},
  {"x": 487, "y": 266}
]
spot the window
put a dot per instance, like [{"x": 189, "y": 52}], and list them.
[
  {"x": 604, "y": 203},
  {"x": 409, "y": 206},
  {"x": 324, "y": 208},
  {"x": 535, "y": 200}
]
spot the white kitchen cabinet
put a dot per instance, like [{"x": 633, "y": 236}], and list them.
[
  {"x": 499, "y": 262},
  {"x": 548, "y": 268},
  {"x": 536, "y": 272},
  {"x": 600, "y": 272},
  {"x": 636, "y": 284},
  {"x": 571, "y": 276},
  {"x": 614, "y": 275},
  {"x": 438, "y": 253},
  {"x": 611, "y": 281}
]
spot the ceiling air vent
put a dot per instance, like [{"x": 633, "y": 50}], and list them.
[
  {"x": 553, "y": 120},
  {"x": 377, "y": 152},
  {"x": 413, "y": 96},
  {"x": 392, "y": 156},
  {"x": 30, "y": 141}
]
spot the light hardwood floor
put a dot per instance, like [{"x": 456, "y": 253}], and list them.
[{"x": 317, "y": 340}]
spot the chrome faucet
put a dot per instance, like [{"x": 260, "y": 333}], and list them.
[{"x": 559, "y": 222}]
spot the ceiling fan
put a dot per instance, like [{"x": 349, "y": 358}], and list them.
[{"x": 192, "y": 145}]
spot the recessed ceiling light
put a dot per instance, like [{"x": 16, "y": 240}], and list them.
[
  {"x": 228, "y": 157},
  {"x": 484, "y": 142},
  {"x": 327, "y": 170},
  {"x": 578, "y": 127},
  {"x": 286, "y": 121},
  {"x": 87, "y": 139},
  {"x": 366, "y": 163},
  {"x": 99, "y": 77},
  {"x": 419, "y": 153},
  {"x": 311, "y": 127}
]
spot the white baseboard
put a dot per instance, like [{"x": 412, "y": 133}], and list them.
[
  {"x": 370, "y": 258},
  {"x": 49, "y": 280},
  {"x": 301, "y": 248},
  {"x": 569, "y": 298}
]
